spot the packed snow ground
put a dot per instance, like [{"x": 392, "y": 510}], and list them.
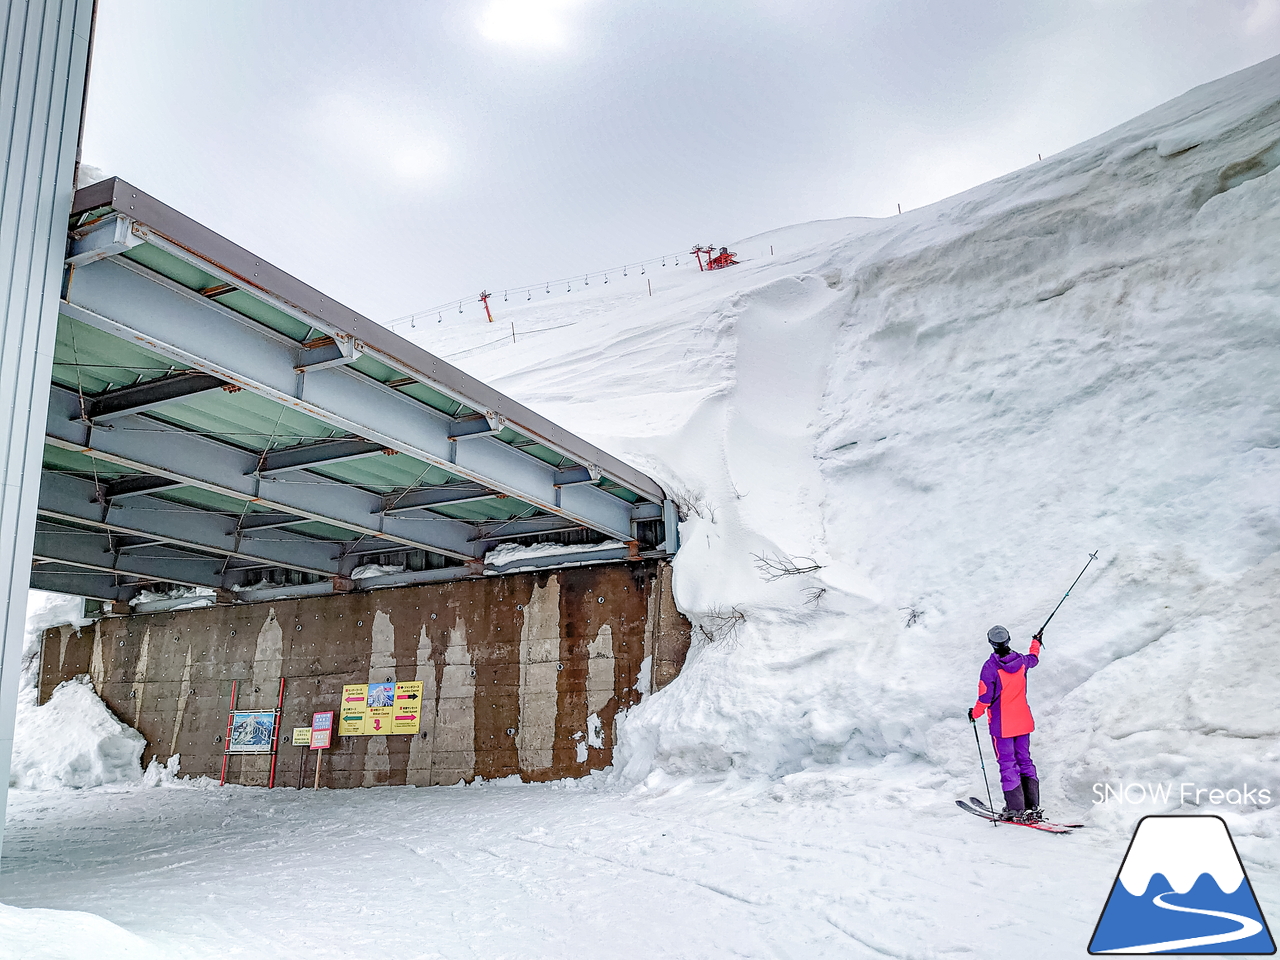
[
  {"x": 947, "y": 411},
  {"x": 797, "y": 869}
]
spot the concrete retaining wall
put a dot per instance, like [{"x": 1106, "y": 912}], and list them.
[{"x": 513, "y": 667}]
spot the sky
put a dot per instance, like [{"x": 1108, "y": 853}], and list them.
[{"x": 398, "y": 155}]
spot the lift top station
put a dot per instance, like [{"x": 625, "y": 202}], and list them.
[{"x": 214, "y": 422}]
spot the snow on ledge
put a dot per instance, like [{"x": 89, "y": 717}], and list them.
[{"x": 504, "y": 558}]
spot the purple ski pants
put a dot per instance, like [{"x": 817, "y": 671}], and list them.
[{"x": 1014, "y": 754}]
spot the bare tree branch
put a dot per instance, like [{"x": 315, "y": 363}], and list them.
[
  {"x": 777, "y": 567},
  {"x": 691, "y": 504},
  {"x": 721, "y": 625}
]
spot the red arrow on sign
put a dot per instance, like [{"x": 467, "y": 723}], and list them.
[
  {"x": 412, "y": 716},
  {"x": 377, "y": 724},
  {"x": 354, "y": 700}
]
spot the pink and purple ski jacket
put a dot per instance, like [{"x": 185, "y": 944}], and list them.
[{"x": 1003, "y": 688}]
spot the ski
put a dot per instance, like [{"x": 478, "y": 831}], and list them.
[
  {"x": 985, "y": 815},
  {"x": 982, "y": 805}
]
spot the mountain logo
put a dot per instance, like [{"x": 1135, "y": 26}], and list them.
[{"x": 1182, "y": 889}]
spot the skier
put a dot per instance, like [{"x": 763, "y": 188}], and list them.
[{"x": 1003, "y": 690}]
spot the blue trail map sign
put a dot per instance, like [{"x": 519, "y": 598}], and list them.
[{"x": 251, "y": 731}]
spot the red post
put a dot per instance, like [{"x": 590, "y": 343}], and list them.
[
  {"x": 484, "y": 298},
  {"x": 275, "y": 736},
  {"x": 227, "y": 742},
  {"x": 697, "y": 252}
]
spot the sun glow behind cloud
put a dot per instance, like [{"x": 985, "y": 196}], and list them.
[{"x": 528, "y": 24}]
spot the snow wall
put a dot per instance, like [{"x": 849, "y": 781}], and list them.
[{"x": 948, "y": 411}]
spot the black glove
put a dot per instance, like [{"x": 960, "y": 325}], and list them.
[{"x": 971, "y": 714}]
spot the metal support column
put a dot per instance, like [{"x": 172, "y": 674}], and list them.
[{"x": 43, "y": 61}]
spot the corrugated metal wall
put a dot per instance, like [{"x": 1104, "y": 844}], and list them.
[
  {"x": 523, "y": 674},
  {"x": 44, "y": 53}
]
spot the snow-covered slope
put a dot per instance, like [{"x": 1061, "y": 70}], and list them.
[{"x": 948, "y": 411}]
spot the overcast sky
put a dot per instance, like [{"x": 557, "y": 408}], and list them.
[{"x": 400, "y": 154}]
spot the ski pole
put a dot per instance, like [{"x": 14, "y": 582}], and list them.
[
  {"x": 1039, "y": 635},
  {"x": 982, "y": 760}
]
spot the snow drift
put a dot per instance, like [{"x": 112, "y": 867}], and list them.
[
  {"x": 58, "y": 934},
  {"x": 73, "y": 740},
  {"x": 947, "y": 411}
]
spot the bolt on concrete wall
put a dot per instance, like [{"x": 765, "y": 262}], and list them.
[{"x": 522, "y": 674}]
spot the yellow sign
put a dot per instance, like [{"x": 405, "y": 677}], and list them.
[
  {"x": 301, "y": 736},
  {"x": 379, "y": 709},
  {"x": 351, "y": 713},
  {"x": 408, "y": 707},
  {"x": 377, "y": 721}
]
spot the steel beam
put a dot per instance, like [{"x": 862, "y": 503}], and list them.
[
  {"x": 408, "y": 578},
  {"x": 172, "y": 603},
  {"x": 141, "y": 543},
  {"x": 646, "y": 511},
  {"x": 532, "y": 527},
  {"x": 334, "y": 353},
  {"x": 570, "y": 558},
  {"x": 188, "y": 240},
  {"x": 57, "y": 578},
  {"x": 70, "y": 498},
  {"x": 134, "y": 487},
  {"x": 671, "y": 526},
  {"x": 128, "y": 301},
  {"x": 486, "y": 424},
  {"x": 148, "y": 446},
  {"x": 219, "y": 290},
  {"x": 105, "y": 238},
  {"x": 268, "y": 521},
  {"x": 307, "y": 456},
  {"x": 576, "y": 475},
  {"x": 90, "y": 550},
  {"x": 139, "y": 397},
  {"x": 285, "y": 591},
  {"x": 436, "y": 497}
]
